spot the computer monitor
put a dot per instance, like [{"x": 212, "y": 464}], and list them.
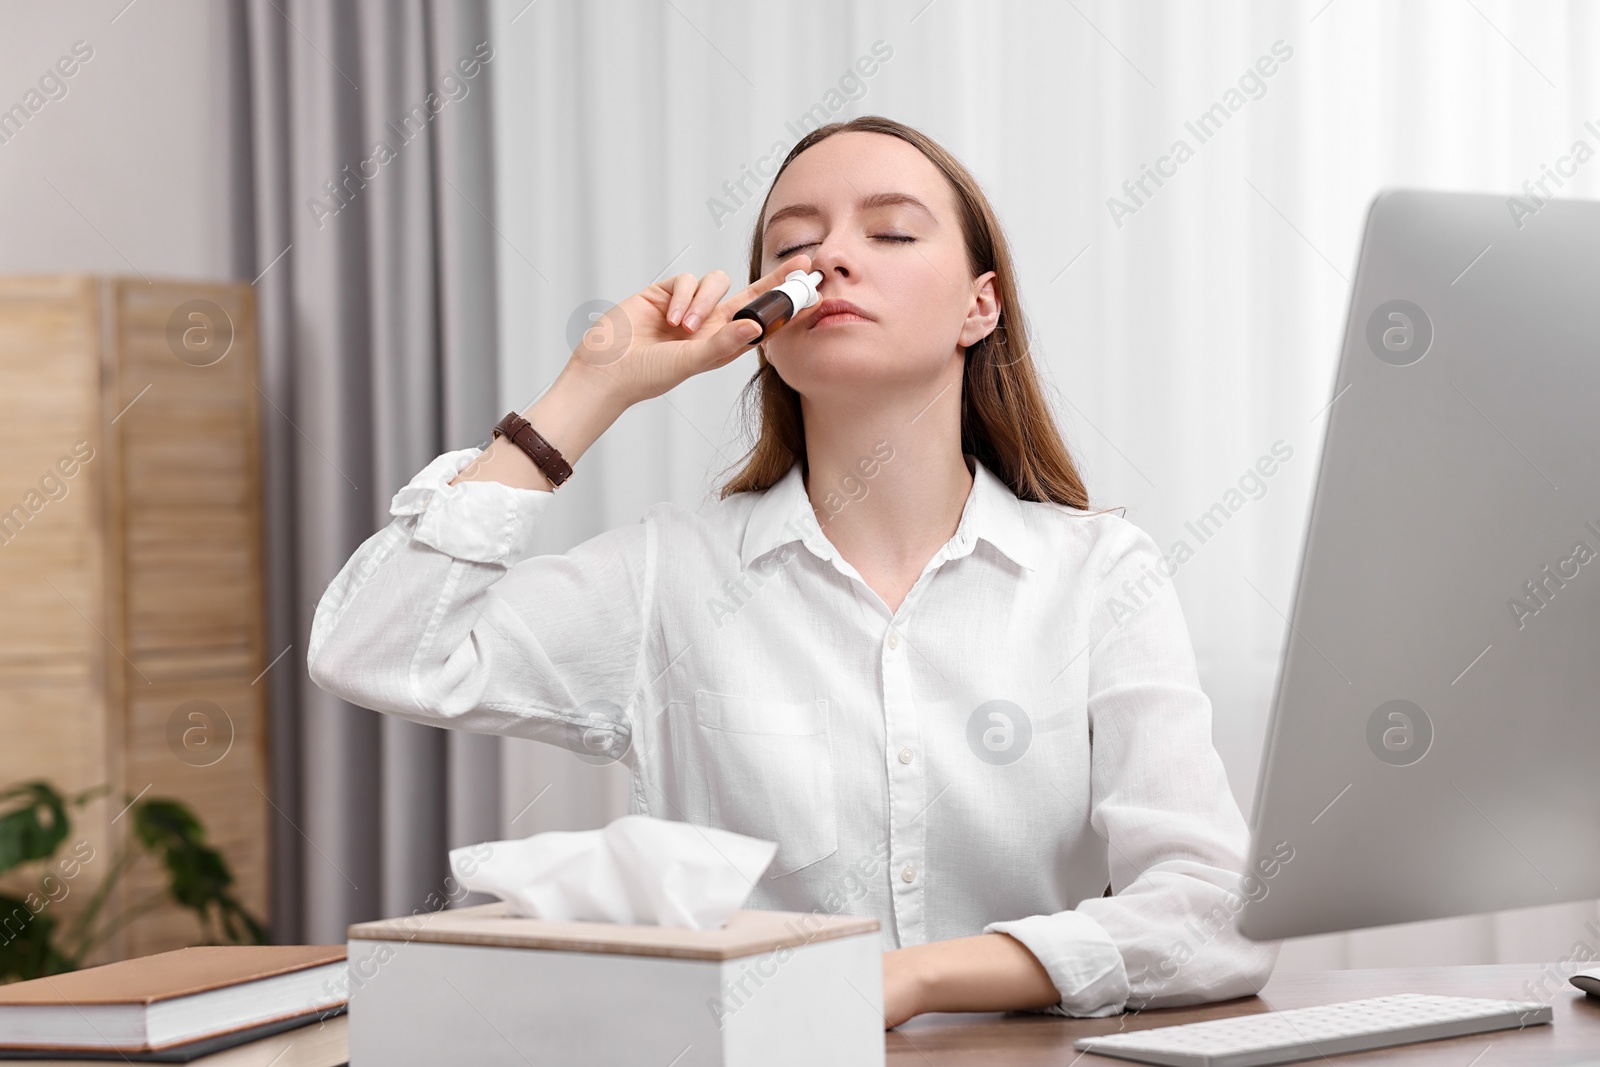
[{"x": 1434, "y": 745}]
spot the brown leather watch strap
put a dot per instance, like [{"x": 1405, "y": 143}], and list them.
[{"x": 542, "y": 452}]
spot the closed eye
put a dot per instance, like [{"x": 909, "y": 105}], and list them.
[{"x": 792, "y": 249}]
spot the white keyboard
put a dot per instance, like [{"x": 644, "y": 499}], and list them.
[{"x": 1309, "y": 1033}]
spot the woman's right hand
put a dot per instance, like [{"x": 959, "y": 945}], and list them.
[
  {"x": 639, "y": 349},
  {"x": 672, "y": 330}
]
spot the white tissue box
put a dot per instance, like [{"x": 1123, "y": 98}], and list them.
[{"x": 476, "y": 986}]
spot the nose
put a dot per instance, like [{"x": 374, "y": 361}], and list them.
[{"x": 830, "y": 258}]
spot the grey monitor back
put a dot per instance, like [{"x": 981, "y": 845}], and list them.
[{"x": 1434, "y": 746}]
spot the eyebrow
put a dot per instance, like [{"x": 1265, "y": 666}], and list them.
[{"x": 872, "y": 200}]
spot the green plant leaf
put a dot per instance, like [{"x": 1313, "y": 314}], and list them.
[
  {"x": 27, "y": 942},
  {"x": 198, "y": 874},
  {"x": 33, "y": 823}
]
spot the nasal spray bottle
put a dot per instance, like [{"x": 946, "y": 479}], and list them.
[{"x": 777, "y": 306}]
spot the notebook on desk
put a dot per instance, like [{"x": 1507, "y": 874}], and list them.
[
  {"x": 322, "y": 1043},
  {"x": 172, "y": 1006}
]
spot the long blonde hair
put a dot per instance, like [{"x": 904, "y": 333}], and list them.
[{"x": 1005, "y": 421}]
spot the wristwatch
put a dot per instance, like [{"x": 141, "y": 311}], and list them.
[{"x": 542, "y": 452}]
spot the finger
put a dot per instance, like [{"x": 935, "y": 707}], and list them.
[
  {"x": 682, "y": 291},
  {"x": 727, "y": 343},
  {"x": 771, "y": 280},
  {"x": 712, "y": 286}
]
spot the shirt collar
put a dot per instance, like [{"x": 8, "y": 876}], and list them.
[{"x": 992, "y": 513}]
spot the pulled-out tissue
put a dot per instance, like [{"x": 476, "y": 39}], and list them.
[{"x": 638, "y": 869}]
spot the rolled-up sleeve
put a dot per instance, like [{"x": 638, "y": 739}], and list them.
[
  {"x": 1176, "y": 841},
  {"x": 447, "y": 617}
]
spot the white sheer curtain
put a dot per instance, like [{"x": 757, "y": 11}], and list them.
[{"x": 1185, "y": 333}]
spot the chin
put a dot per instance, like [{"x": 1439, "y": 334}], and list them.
[{"x": 815, "y": 370}]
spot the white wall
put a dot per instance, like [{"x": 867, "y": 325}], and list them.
[{"x": 132, "y": 170}]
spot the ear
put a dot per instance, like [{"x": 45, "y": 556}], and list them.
[{"x": 984, "y": 312}]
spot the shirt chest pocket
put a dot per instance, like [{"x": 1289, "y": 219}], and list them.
[{"x": 764, "y": 768}]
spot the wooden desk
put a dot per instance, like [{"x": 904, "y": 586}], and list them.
[{"x": 1021, "y": 1039}]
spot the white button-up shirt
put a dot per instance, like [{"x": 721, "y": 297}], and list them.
[{"x": 1025, "y": 729}]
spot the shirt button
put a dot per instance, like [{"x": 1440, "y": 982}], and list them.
[
  {"x": 909, "y": 873},
  {"x": 905, "y": 755},
  {"x": 894, "y": 639}
]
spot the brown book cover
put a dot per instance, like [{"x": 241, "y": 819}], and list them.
[
  {"x": 165, "y": 975},
  {"x": 137, "y": 984}
]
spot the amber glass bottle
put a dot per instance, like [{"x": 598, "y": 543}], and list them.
[{"x": 777, "y": 306}]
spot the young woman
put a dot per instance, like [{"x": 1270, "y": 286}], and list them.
[{"x": 898, "y": 643}]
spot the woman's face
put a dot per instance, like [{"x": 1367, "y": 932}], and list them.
[{"x": 880, "y": 221}]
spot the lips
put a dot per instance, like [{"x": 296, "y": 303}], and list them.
[{"x": 836, "y": 307}]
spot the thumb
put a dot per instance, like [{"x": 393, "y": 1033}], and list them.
[{"x": 728, "y": 342}]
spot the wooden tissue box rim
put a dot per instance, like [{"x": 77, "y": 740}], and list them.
[{"x": 746, "y": 933}]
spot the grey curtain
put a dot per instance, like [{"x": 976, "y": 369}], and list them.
[{"x": 370, "y": 188}]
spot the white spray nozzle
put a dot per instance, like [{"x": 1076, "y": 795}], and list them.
[{"x": 801, "y": 288}]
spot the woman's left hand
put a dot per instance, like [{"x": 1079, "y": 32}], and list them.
[{"x": 903, "y": 987}]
